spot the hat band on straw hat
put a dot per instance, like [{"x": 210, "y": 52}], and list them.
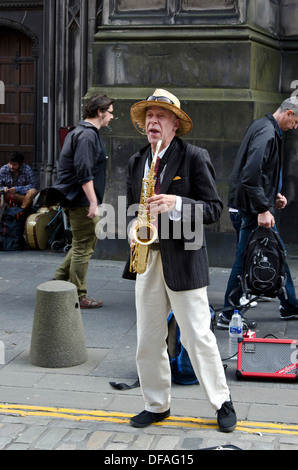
[{"x": 165, "y": 100}]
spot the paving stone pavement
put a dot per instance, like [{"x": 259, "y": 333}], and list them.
[
  {"x": 58, "y": 434},
  {"x": 43, "y": 433}
]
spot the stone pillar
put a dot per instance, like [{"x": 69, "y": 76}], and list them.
[
  {"x": 57, "y": 336},
  {"x": 69, "y": 26}
]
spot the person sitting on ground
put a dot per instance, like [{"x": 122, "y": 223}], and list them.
[{"x": 18, "y": 182}]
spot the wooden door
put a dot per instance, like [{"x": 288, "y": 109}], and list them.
[{"x": 17, "y": 113}]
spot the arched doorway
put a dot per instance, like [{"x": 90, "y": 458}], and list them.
[{"x": 17, "y": 72}]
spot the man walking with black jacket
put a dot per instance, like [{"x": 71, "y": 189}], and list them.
[
  {"x": 80, "y": 188},
  {"x": 255, "y": 187}
]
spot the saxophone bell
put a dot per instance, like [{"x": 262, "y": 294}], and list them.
[{"x": 144, "y": 233}]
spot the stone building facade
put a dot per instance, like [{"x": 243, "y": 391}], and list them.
[{"x": 229, "y": 61}]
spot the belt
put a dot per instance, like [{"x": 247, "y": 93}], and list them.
[{"x": 155, "y": 246}]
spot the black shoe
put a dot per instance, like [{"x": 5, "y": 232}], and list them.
[
  {"x": 223, "y": 322},
  {"x": 145, "y": 418},
  {"x": 288, "y": 313},
  {"x": 226, "y": 417}
]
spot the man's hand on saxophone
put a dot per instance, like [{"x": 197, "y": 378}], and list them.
[{"x": 159, "y": 203}]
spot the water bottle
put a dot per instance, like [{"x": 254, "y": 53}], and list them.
[{"x": 235, "y": 333}]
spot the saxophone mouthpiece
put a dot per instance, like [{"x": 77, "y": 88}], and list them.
[
  {"x": 157, "y": 149},
  {"x": 158, "y": 145}
]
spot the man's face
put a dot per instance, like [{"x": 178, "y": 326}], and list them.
[
  {"x": 289, "y": 121},
  {"x": 107, "y": 116},
  {"x": 160, "y": 124},
  {"x": 14, "y": 167}
]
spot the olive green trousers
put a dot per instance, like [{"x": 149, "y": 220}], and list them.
[{"x": 75, "y": 264}]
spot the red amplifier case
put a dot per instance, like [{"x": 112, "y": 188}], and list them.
[{"x": 267, "y": 358}]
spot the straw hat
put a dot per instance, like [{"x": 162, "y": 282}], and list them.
[{"x": 164, "y": 99}]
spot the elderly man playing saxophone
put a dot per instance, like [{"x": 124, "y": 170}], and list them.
[{"x": 176, "y": 274}]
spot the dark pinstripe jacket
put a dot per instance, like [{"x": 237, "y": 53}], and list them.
[{"x": 189, "y": 173}]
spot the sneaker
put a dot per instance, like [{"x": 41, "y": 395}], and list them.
[
  {"x": 226, "y": 417},
  {"x": 88, "y": 302},
  {"x": 223, "y": 322},
  {"x": 244, "y": 301},
  {"x": 288, "y": 313},
  {"x": 145, "y": 418}
]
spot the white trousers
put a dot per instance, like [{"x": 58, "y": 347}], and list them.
[{"x": 154, "y": 301}]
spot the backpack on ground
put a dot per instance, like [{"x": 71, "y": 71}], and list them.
[
  {"x": 12, "y": 229},
  {"x": 181, "y": 368},
  {"x": 264, "y": 264}
]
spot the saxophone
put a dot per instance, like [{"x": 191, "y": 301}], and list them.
[{"x": 144, "y": 232}]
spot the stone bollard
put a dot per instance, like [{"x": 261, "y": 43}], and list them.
[{"x": 58, "y": 338}]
